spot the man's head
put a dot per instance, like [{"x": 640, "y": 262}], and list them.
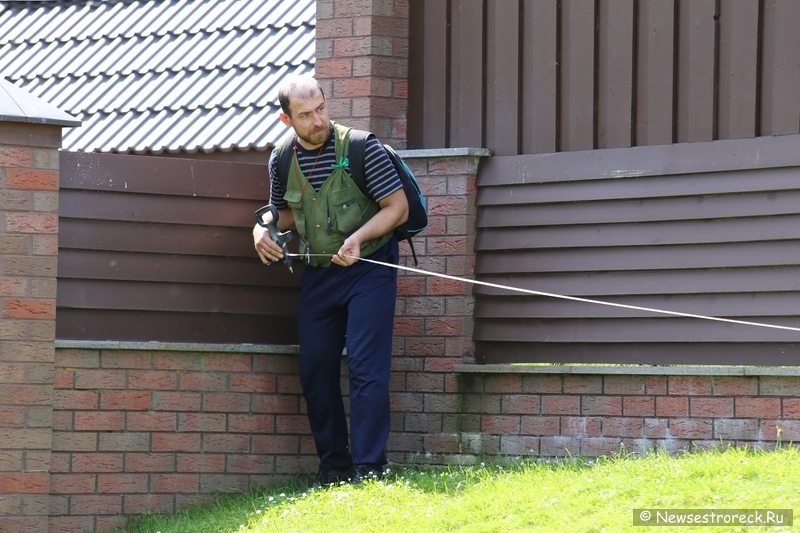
[{"x": 305, "y": 109}]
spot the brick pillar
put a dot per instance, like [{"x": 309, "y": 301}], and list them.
[
  {"x": 28, "y": 250},
  {"x": 362, "y": 64}
]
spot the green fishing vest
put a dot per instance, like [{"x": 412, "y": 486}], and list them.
[{"x": 326, "y": 218}]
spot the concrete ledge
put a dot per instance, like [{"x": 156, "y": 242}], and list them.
[
  {"x": 662, "y": 370},
  {"x": 445, "y": 152},
  {"x": 178, "y": 346}
]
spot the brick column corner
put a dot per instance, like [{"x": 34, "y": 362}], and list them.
[
  {"x": 362, "y": 64},
  {"x": 28, "y": 250}
]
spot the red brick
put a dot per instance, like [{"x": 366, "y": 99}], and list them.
[
  {"x": 29, "y": 309},
  {"x": 711, "y": 407},
  {"x": 253, "y": 383},
  {"x": 690, "y": 385},
  {"x": 152, "y": 380},
  {"x": 520, "y": 404},
  {"x": 656, "y": 384},
  {"x": 201, "y": 463},
  {"x": 12, "y": 416},
  {"x": 672, "y": 406},
  {"x": 638, "y": 406},
  {"x": 445, "y": 326},
  {"x": 26, "y": 395},
  {"x": 121, "y": 483},
  {"x": 96, "y": 462},
  {"x": 791, "y": 408},
  {"x": 580, "y": 425},
  {"x": 561, "y": 405},
  {"x": 500, "y": 424},
  {"x": 64, "y": 379},
  {"x": 38, "y": 223},
  {"x": 442, "y": 444},
  {"x": 32, "y": 179},
  {"x": 276, "y": 444},
  {"x": 601, "y": 405},
  {"x": 410, "y": 286},
  {"x": 333, "y": 68},
  {"x": 15, "y": 157},
  {"x": 125, "y": 400},
  {"x": 175, "y": 442},
  {"x": 61, "y": 524},
  {"x": 444, "y": 246},
  {"x": 734, "y": 386},
  {"x": 623, "y": 427},
  {"x": 25, "y": 483},
  {"x": 445, "y": 287},
  {"x": 13, "y": 287},
  {"x": 95, "y": 504},
  {"x": 758, "y": 407},
  {"x": 177, "y": 401},
  {"x": 99, "y": 421},
  {"x": 204, "y": 381},
  {"x": 201, "y": 422},
  {"x": 250, "y": 423},
  {"x": 576, "y": 384},
  {"x": 404, "y": 326},
  {"x": 72, "y": 483},
  {"x": 99, "y": 379},
  {"x": 152, "y": 421},
  {"x": 149, "y": 462}
]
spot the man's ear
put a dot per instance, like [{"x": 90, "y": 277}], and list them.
[{"x": 286, "y": 120}]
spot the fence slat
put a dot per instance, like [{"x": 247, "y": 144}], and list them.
[
  {"x": 539, "y": 76},
  {"x": 615, "y": 74},
  {"x": 696, "y": 67},
  {"x": 738, "y": 68},
  {"x": 577, "y": 109},
  {"x": 467, "y": 85}
]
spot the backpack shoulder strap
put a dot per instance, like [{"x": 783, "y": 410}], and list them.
[
  {"x": 284, "y": 157},
  {"x": 357, "y": 156}
]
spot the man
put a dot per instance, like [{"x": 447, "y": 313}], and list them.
[{"x": 343, "y": 301}]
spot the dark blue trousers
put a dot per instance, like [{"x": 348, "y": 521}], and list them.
[{"x": 353, "y": 307}]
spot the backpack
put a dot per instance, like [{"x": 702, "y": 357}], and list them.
[{"x": 417, "y": 208}]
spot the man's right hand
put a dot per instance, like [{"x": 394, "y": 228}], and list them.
[{"x": 267, "y": 250}]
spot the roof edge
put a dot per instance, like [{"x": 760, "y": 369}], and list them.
[{"x": 18, "y": 105}]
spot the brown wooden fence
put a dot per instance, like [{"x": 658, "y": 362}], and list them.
[
  {"x": 540, "y": 76},
  {"x": 703, "y": 228},
  {"x": 159, "y": 249}
]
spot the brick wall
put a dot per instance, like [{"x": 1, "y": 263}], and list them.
[
  {"x": 362, "y": 64},
  {"x": 28, "y": 250},
  {"x": 150, "y": 429}
]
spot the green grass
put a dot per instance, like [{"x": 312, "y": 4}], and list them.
[{"x": 572, "y": 495}]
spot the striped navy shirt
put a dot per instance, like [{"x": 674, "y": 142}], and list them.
[{"x": 379, "y": 173}]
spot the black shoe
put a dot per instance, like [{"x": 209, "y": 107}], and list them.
[
  {"x": 366, "y": 473},
  {"x": 331, "y": 477}
]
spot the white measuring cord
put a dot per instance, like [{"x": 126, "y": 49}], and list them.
[{"x": 560, "y": 296}]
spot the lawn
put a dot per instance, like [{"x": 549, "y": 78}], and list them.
[{"x": 572, "y": 495}]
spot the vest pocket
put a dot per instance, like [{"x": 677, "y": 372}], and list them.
[
  {"x": 295, "y": 201},
  {"x": 346, "y": 212}
]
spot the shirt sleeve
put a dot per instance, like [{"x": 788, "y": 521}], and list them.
[
  {"x": 380, "y": 175},
  {"x": 276, "y": 189}
]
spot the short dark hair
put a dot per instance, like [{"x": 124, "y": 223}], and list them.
[{"x": 298, "y": 87}]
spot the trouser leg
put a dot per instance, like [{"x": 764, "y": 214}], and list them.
[
  {"x": 321, "y": 330},
  {"x": 369, "y": 350}
]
